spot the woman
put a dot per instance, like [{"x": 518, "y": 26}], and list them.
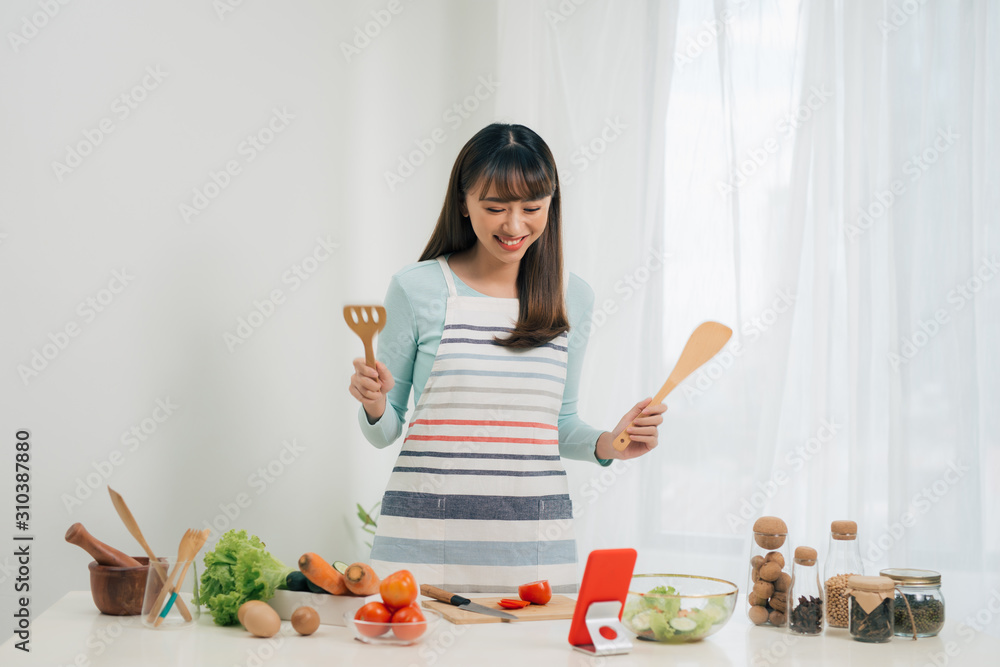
[{"x": 478, "y": 500}]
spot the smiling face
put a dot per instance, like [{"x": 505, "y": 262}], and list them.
[{"x": 505, "y": 229}]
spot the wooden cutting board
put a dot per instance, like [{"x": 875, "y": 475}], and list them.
[{"x": 559, "y": 607}]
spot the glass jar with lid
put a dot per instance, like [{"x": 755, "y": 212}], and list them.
[
  {"x": 870, "y": 608},
  {"x": 805, "y": 601},
  {"x": 843, "y": 559},
  {"x": 768, "y": 579},
  {"x": 921, "y": 590}
]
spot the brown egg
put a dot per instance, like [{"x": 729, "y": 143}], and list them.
[
  {"x": 305, "y": 620},
  {"x": 261, "y": 620},
  {"x": 241, "y": 612}
]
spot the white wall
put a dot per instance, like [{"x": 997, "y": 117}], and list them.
[{"x": 162, "y": 336}]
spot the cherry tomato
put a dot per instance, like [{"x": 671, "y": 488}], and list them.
[
  {"x": 510, "y": 603},
  {"x": 537, "y": 592},
  {"x": 373, "y": 612},
  {"x": 409, "y": 623},
  {"x": 398, "y": 590}
]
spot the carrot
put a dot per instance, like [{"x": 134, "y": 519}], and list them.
[
  {"x": 322, "y": 574},
  {"x": 361, "y": 579}
]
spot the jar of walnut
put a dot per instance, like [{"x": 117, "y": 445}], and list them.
[{"x": 768, "y": 579}]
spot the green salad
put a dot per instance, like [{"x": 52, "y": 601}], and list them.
[{"x": 659, "y": 618}]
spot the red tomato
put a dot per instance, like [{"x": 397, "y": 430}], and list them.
[
  {"x": 373, "y": 612},
  {"x": 398, "y": 590},
  {"x": 409, "y": 623},
  {"x": 537, "y": 592},
  {"x": 510, "y": 603}
]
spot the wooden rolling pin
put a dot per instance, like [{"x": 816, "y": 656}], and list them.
[{"x": 102, "y": 553}]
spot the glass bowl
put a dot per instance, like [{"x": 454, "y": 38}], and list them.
[
  {"x": 678, "y": 608},
  {"x": 399, "y": 634}
]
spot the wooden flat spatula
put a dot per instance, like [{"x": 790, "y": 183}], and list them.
[
  {"x": 366, "y": 321},
  {"x": 704, "y": 343}
]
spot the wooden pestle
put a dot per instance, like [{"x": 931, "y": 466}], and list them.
[{"x": 102, "y": 553}]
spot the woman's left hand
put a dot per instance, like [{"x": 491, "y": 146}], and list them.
[{"x": 643, "y": 432}]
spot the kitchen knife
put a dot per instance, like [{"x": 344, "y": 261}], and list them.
[{"x": 464, "y": 603}]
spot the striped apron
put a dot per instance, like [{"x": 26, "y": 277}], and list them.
[{"x": 478, "y": 500}]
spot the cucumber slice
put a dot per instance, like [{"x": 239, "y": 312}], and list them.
[
  {"x": 340, "y": 566},
  {"x": 681, "y": 624}
]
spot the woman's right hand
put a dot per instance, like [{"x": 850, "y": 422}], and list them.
[{"x": 370, "y": 385}]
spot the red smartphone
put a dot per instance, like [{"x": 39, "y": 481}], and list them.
[{"x": 605, "y": 579}]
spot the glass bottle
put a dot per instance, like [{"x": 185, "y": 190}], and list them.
[
  {"x": 843, "y": 559},
  {"x": 870, "y": 607},
  {"x": 922, "y": 591},
  {"x": 806, "y": 598},
  {"x": 768, "y": 580}
]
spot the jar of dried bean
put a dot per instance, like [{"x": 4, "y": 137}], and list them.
[
  {"x": 870, "y": 608},
  {"x": 843, "y": 559},
  {"x": 768, "y": 580},
  {"x": 918, "y": 592}
]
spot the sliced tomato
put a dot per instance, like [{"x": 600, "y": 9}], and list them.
[
  {"x": 537, "y": 592},
  {"x": 508, "y": 603}
]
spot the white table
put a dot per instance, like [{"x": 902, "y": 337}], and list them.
[{"x": 73, "y": 632}]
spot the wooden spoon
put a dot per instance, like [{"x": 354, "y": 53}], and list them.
[
  {"x": 101, "y": 552},
  {"x": 366, "y": 321},
  {"x": 704, "y": 343},
  {"x": 184, "y": 552},
  {"x": 197, "y": 542},
  {"x": 133, "y": 528}
]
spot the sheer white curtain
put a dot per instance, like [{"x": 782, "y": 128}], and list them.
[{"x": 826, "y": 186}]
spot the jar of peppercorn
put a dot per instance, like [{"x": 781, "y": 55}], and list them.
[
  {"x": 921, "y": 590},
  {"x": 870, "y": 608},
  {"x": 768, "y": 580},
  {"x": 805, "y": 601}
]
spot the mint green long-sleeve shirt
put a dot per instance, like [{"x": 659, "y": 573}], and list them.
[{"x": 415, "y": 306}]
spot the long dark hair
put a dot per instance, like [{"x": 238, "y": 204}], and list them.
[{"x": 520, "y": 165}]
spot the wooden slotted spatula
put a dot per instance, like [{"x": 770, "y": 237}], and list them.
[
  {"x": 366, "y": 321},
  {"x": 133, "y": 528},
  {"x": 704, "y": 343}
]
